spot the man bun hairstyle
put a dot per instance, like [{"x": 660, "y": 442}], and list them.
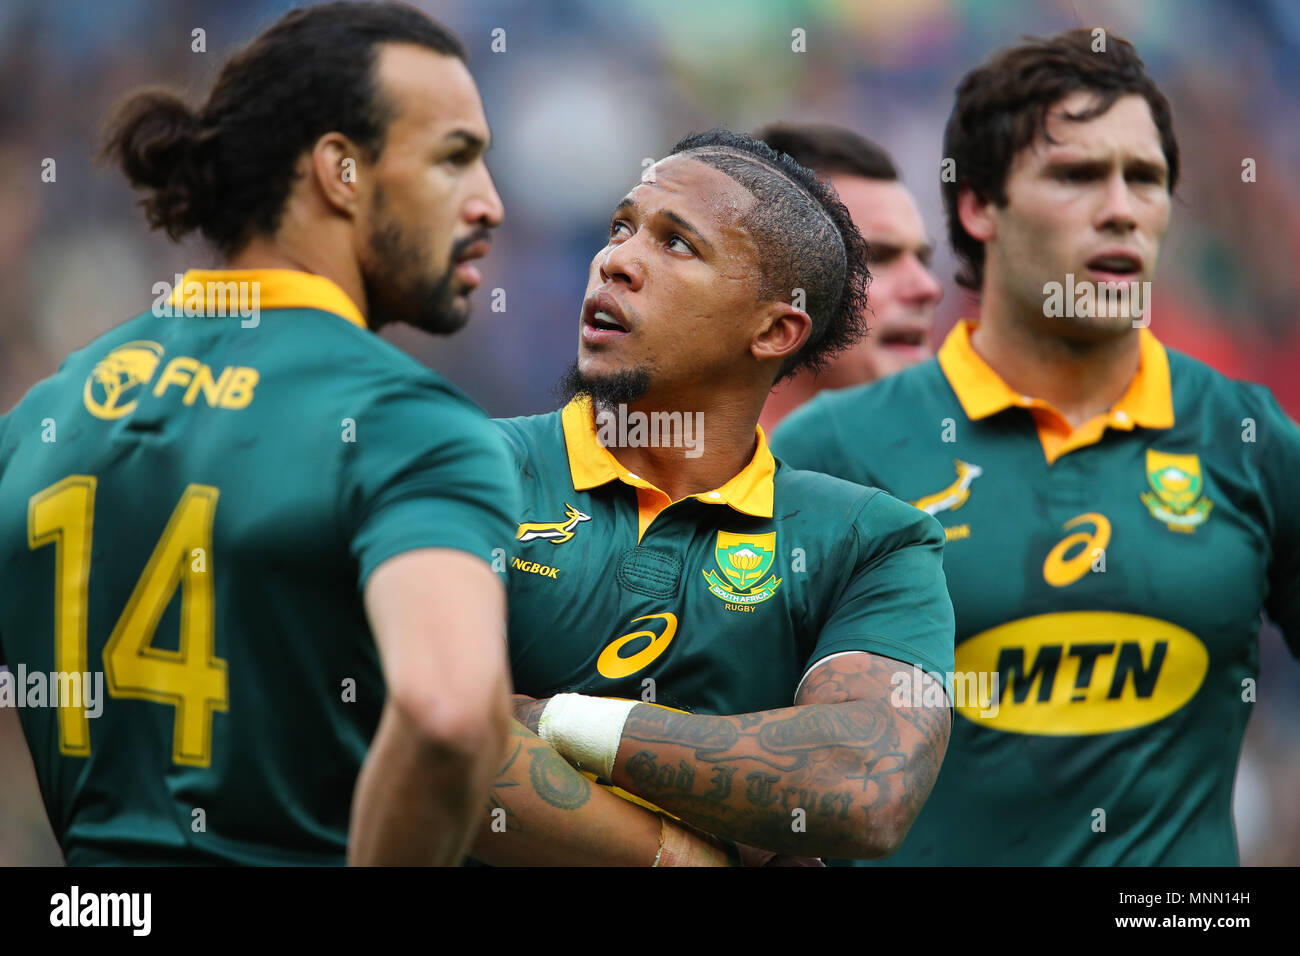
[
  {"x": 805, "y": 240},
  {"x": 226, "y": 168},
  {"x": 1002, "y": 107}
]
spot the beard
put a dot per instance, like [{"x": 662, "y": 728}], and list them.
[
  {"x": 398, "y": 289},
  {"x": 605, "y": 391},
  {"x": 429, "y": 306}
]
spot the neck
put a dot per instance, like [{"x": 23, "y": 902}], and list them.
[
  {"x": 1079, "y": 379},
  {"x": 283, "y": 251},
  {"x": 722, "y": 443},
  {"x": 788, "y": 396}
]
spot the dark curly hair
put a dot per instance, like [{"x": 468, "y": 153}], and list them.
[
  {"x": 226, "y": 169},
  {"x": 1002, "y": 107},
  {"x": 805, "y": 239}
]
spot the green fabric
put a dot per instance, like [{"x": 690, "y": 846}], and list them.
[
  {"x": 857, "y": 571},
  {"x": 1153, "y": 742},
  {"x": 348, "y": 453}
]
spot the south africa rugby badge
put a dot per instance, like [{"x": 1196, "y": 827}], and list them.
[
  {"x": 743, "y": 559},
  {"x": 1177, "y": 491}
]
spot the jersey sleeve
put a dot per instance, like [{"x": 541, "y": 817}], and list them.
[
  {"x": 426, "y": 470},
  {"x": 1278, "y": 439},
  {"x": 896, "y": 602}
]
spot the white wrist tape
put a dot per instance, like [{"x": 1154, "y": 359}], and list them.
[{"x": 585, "y": 730}]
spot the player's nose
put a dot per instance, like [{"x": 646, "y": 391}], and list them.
[
  {"x": 622, "y": 263},
  {"x": 1116, "y": 211},
  {"x": 920, "y": 287},
  {"x": 484, "y": 206}
]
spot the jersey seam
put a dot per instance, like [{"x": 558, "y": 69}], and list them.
[{"x": 880, "y": 639}]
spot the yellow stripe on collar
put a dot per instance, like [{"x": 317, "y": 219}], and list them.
[
  {"x": 591, "y": 464},
  {"x": 210, "y": 289},
  {"x": 1148, "y": 401}
]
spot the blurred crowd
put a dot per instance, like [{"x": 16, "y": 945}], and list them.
[{"x": 579, "y": 93}]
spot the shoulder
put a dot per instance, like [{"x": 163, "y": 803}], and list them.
[
  {"x": 901, "y": 397},
  {"x": 917, "y": 381},
  {"x": 529, "y": 435},
  {"x": 851, "y": 431},
  {"x": 1196, "y": 384},
  {"x": 1226, "y": 404},
  {"x": 819, "y": 492},
  {"x": 843, "y": 508},
  {"x": 382, "y": 381},
  {"x": 135, "y": 340},
  {"x": 365, "y": 360}
]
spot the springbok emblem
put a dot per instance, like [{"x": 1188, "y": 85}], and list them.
[
  {"x": 955, "y": 495},
  {"x": 557, "y": 532}
]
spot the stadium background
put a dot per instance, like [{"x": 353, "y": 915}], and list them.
[{"x": 583, "y": 92}]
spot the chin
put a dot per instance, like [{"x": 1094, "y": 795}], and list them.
[
  {"x": 606, "y": 383},
  {"x": 596, "y": 364},
  {"x": 1099, "y": 326},
  {"x": 442, "y": 316}
]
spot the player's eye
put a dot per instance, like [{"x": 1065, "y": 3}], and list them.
[
  {"x": 881, "y": 255},
  {"x": 683, "y": 245},
  {"x": 615, "y": 226},
  {"x": 462, "y": 158},
  {"x": 1075, "y": 175},
  {"x": 1148, "y": 176}
]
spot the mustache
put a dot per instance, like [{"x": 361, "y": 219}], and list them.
[{"x": 481, "y": 234}]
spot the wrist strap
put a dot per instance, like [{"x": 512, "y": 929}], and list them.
[{"x": 585, "y": 730}]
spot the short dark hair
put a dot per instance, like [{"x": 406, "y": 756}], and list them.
[
  {"x": 226, "y": 169},
  {"x": 829, "y": 150},
  {"x": 1002, "y": 106},
  {"x": 805, "y": 239}
]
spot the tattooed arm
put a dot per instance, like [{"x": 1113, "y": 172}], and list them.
[
  {"x": 858, "y": 767},
  {"x": 542, "y": 812}
]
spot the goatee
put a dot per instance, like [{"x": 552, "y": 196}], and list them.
[{"x": 605, "y": 391}]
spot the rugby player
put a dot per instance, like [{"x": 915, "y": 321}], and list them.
[
  {"x": 267, "y": 530},
  {"x": 1117, "y": 514},
  {"x": 904, "y": 292},
  {"x": 763, "y": 614}
]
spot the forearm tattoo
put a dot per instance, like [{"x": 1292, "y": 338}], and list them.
[{"x": 858, "y": 766}]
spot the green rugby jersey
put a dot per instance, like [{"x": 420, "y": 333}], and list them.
[
  {"x": 1112, "y": 577},
  {"x": 718, "y": 603},
  {"x": 190, "y": 508}
]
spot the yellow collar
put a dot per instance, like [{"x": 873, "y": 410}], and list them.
[
  {"x": 1148, "y": 401},
  {"x": 592, "y": 464},
  {"x": 276, "y": 289}
]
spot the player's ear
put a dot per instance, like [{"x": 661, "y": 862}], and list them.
[
  {"x": 781, "y": 333},
  {"x": 976, "y": 215},
  {"x": 334, "y": 163}
]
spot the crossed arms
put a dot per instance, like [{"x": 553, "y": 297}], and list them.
[{"x": 857, "y": 766}]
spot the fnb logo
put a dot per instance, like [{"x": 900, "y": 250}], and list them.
[
  {"x": 233, "y": 388},
  {"x": 118, "y": 379},
  {"x": 1085, "y": 672}
]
